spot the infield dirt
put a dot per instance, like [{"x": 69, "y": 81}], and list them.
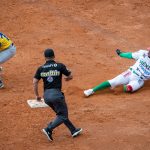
[{"x": 84, "y": 35}]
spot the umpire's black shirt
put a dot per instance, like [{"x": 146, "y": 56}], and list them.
[{"x": 51, "y": 73}]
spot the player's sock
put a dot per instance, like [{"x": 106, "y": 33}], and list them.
[
  {"x": 127, "y": 88},
  {"x": 101, "y": 86}
]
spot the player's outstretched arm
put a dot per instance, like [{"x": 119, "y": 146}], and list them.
[{"x": 124, "y": 54}]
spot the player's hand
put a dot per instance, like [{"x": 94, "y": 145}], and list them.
[
  {"x": 38, "y": 98},
  {"x": 118, "y": 51},
  {"x": 68, "y": 78}
]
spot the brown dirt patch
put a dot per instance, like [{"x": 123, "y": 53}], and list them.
[{"x": 84, "y": 35}]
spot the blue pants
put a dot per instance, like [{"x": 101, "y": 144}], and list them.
[
  {"x": 56, "y": 100},
  {"x": 7, "y": 54}
]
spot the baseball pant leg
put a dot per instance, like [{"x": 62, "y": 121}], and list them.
[
  {"x": 120, "y": 79},
  {"x": 7, "y": 54},
  {"x": 136, "y": 84}
]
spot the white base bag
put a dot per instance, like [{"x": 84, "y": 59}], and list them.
[{"x": 33, "y": 103}]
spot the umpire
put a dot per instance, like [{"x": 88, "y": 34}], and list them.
[{"x": 51, "y": 73}]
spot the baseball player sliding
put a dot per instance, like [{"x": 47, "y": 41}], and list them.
[{"x": 132, "y": 79}]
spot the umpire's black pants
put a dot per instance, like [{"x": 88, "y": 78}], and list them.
[{"x": 56, "y": 100}]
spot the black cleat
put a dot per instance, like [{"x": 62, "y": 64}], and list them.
[
  {"x": 76, "y": 132},
  {"x": 48, "y": 134}
]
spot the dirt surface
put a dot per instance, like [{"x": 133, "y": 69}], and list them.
[{"x": 84, "y": 35}]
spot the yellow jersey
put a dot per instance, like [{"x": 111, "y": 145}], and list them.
[{"x": 5, "y": 42}]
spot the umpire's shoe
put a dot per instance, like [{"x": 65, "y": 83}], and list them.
[
  {"x": 48, "y": 133},
  {"x": 76, "y": 132}
]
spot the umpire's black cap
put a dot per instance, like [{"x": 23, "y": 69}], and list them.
[{"x": 49, "y": 53}]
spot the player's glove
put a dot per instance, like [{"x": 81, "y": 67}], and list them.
[{"x": 118, "y": 51}]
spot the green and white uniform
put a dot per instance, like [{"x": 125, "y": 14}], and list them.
[{"x": 136, "y": 74}]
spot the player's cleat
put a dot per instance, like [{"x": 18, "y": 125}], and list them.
[
  {"x": 48, "y": 134},
  {"x": 1, "y": 84},
  {"x": 76, "y": 132},
  {"x": 88, "y": 92}
]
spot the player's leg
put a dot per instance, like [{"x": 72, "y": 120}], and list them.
[
  {"x": 4, "y": 56},
  {"x": 51, "y": 98},
  {"x": 62, "y": 116},
  {"x": 119, "y": 80},
  {"x": 133, "y": 85},
  {"x": 7, "y": 54}
]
